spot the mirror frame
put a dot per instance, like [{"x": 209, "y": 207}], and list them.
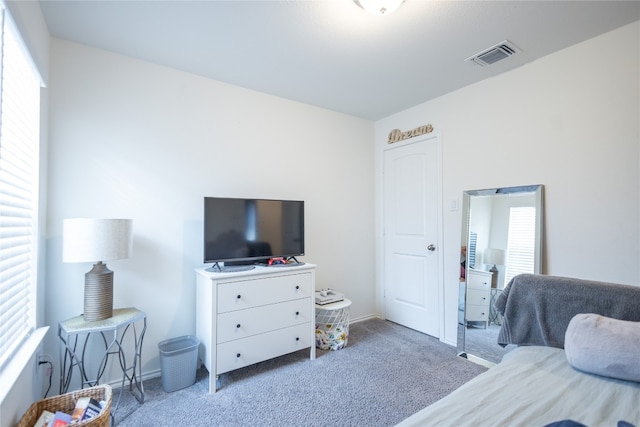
[{"x": 537, "y": 269}]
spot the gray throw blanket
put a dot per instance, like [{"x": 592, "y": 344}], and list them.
[{"x": 537, "y": 309}]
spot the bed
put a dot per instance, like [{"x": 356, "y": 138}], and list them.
[{"x": 577, "y": 360}]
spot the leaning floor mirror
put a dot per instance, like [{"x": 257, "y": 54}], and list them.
[{"x": 501, "y": 238}]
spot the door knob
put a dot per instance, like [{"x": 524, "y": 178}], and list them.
[{"x": 431, "y": 247}]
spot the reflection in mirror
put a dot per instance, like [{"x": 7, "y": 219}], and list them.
[{"x": 501, "y": 238}]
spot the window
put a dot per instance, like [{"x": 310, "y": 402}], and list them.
[
  {"x": 473, "y": 242},
  {"x": 19, "y": 165},
  {"x": 521, "y": 242}
]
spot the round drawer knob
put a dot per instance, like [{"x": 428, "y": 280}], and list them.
[
  {"x": 297, "y": 338},
  {"x": 297, "y": 313},
  {"x": 239, "y": 296},
  {"x": 238, "y": 355},
  {"x": 238, "y": 326},
  {"x": 297, "y": 287}
]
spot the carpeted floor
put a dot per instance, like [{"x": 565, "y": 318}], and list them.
[
  {"x": 385, "y": 373},
  {"x": 483, "y": 343}
]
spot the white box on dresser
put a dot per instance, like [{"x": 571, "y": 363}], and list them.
[{"x": 246, "y": 317}]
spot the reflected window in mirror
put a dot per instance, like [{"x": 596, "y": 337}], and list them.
[
  {"x": 521, "y": 241},
  {"x": 473, "y": 239}
]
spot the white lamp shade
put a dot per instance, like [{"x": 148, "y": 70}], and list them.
[
  {"x": 493, "y": 256},
  {"x": 379, "y": 7},
  {"x": 93, "y": 240}
]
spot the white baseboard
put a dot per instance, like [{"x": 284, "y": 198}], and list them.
[
  {"x": 116, "y": 384},
  {"x": 363, "y": 318}
]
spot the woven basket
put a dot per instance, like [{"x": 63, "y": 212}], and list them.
[{"x": 67, "y": 402}]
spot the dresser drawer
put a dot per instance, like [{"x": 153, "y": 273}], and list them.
[
  {"x": 476, "y": 297},
  {"x": 253, "y": 293},
  {"x": 247, "y": 351},
  {"x": 479, "y": 281},
  {"x": 239, "y": 324},
  {"x": 477, "y": 313}
]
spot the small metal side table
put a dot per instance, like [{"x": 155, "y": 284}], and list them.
[
  {"x": 74, "y": 336},
  {"x": 494, "y": 316}
]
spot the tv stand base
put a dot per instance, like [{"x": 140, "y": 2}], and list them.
[{"x": 217, "y": 268}]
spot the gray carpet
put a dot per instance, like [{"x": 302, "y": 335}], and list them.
[
  {"x": 483, "y": 343},
  {"x": 385, "y": 373}
]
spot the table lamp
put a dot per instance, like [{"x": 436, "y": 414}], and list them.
[
  {"x": 97, "y": 240},
  {"x": 493, "y": 256}
]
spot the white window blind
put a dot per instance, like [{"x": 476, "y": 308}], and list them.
[
  {"x": 521, "y": 241},
  {"x": 19, "y": 165}
]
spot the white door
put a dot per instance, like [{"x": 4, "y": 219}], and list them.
[{"x": 411, "y": 238}]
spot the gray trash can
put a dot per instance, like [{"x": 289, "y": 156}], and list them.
[{"x": 178, "y": 362}]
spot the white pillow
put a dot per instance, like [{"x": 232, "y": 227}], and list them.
[{"x": 604, "y": 346}]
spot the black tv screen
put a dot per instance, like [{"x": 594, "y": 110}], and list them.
[{"x": 245, "y": 231}]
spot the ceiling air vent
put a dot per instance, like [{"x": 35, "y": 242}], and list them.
[{"x": 494, "y": 54}]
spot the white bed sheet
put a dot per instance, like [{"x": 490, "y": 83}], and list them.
[{"x": 534, "y": 386}]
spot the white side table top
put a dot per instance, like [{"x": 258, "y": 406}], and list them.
[
  {"x": 121, "y": 316},
  {"x": 335, "y": 305}
]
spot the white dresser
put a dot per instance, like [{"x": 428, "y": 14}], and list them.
[
  {"x": 478, "y": 296},
  {"x": 246, "y": 317}
]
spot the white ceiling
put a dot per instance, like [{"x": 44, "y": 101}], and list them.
[{"x": 330, "y": 53}]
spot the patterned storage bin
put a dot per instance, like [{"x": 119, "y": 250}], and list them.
[{"x": 332, "y": 325}]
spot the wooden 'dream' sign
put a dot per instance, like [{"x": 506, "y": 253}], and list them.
[{"x": 397, "y": 135}]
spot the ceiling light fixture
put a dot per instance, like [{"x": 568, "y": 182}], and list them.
[{"x": 379, "y": 7}]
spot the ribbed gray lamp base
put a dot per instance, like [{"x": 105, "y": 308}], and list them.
[{"x": 98, "y": 293}]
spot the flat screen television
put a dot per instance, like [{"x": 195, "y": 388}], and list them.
[{"x": 244, "y": 232}]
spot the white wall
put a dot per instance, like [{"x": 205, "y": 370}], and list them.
[
  {"x": 135, "y": 140},
  {"x": 569, "y": 121}
]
